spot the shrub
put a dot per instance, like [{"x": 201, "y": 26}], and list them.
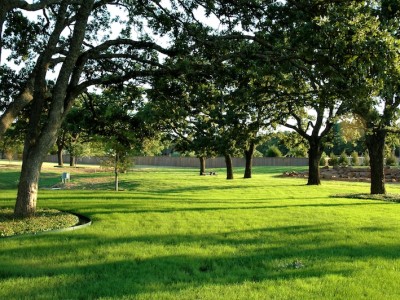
[
  {"x": 355, "y": 160},
  {"x": 274, "y": 151},
  {"x": 366, "y": 159},
  {"x": 391, "y": 160},
  {"x": 343, "y": 159},
  {"x": 323, "y": 160},
  {"x": 333, "y": 160}
]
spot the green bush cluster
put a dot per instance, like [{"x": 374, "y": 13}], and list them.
[
  {"x": 391, "y": 160},
  {"x": 274, "y": 151}
]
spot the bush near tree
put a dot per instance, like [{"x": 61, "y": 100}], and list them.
[
  {"x": 333, "y": 160},
  {"x": 343, "y": 159},
  {"x": 355, "y": 160},
  {"x": 391, "y": 160},
  {"x": 274, "y": 151}
]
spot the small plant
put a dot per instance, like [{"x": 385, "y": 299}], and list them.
[
  {"x": 355, "y": 160},
  {"x": 274, "y": 151},
  {"x": 391, "y": 160},
  {"x": 323, "y": 160},
  {"x": 366, "y": 159},
  {"x": 343, "y": 159},
  {"x": 333, "y": 160}
]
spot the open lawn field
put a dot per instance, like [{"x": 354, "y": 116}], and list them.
[{"x": 172, "y": 234}]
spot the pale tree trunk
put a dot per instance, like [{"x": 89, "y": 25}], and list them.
[
  {"x": 248, "y": 153},
  {"x": 229, "y": 166},
  {"x": 202, "y": 160},
  {"x": 376, "y": 145}
]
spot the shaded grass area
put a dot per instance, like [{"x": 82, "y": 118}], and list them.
[{"x": 175, "y": 235}]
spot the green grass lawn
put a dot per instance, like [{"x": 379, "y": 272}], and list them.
[{"x": 172, "y": 234}]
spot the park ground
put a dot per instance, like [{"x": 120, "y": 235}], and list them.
[{"x": 172, "y": 234}]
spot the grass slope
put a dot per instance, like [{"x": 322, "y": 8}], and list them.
[{"x": 172, "y": 234}]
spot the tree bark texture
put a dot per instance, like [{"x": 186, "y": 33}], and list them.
[
  {"x": 248, "y": 153},
  {"x": 314, "y": 156},
  {"x": 25, "y": 205},
  {"x": 229, "y": 166},
  {"x": 376, "y": 145},
  {"x": 202, "y": 160}
]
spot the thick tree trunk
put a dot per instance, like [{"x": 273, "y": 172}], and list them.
[
  {"x": 202, "y": 160},
  {"x": 229, "y": 167},
  {"x": 25, "y": 205},
  {"x": 314, "y": 156},
  {"x": 248, "y": 153},
  {"x": 376, "y": 145}
]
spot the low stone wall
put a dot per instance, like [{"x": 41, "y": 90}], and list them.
[{"x": 349, "y": 173}]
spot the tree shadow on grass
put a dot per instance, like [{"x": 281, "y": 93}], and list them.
[{"x": 131, "y": 265}]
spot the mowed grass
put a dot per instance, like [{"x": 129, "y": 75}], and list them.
[{"x": 172, "y": 234}]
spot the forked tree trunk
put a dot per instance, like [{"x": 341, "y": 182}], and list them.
[
  {"x": 376, "y": 145},
  {"x": 202, "y": 160},
  {"x": 248, "y": 153},
  {"x": 314, "y": 156},
  {"x": 229, "y": 167}
]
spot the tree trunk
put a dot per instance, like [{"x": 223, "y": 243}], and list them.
[
  {"x": 33, "y": 157},
  {"x": 314, "y": 156},
  {"x": 248, "y": 153},
  {"x": 60, "y": 158},
  {"x": 41, "y": 136},
  {"x": 202, "y": 165},
  {"x": 376, "y": 145},
  {"x": 72, "y": 160},
  {"x": 229, "y": 166},
  {"x": 116, "y": 173}
]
